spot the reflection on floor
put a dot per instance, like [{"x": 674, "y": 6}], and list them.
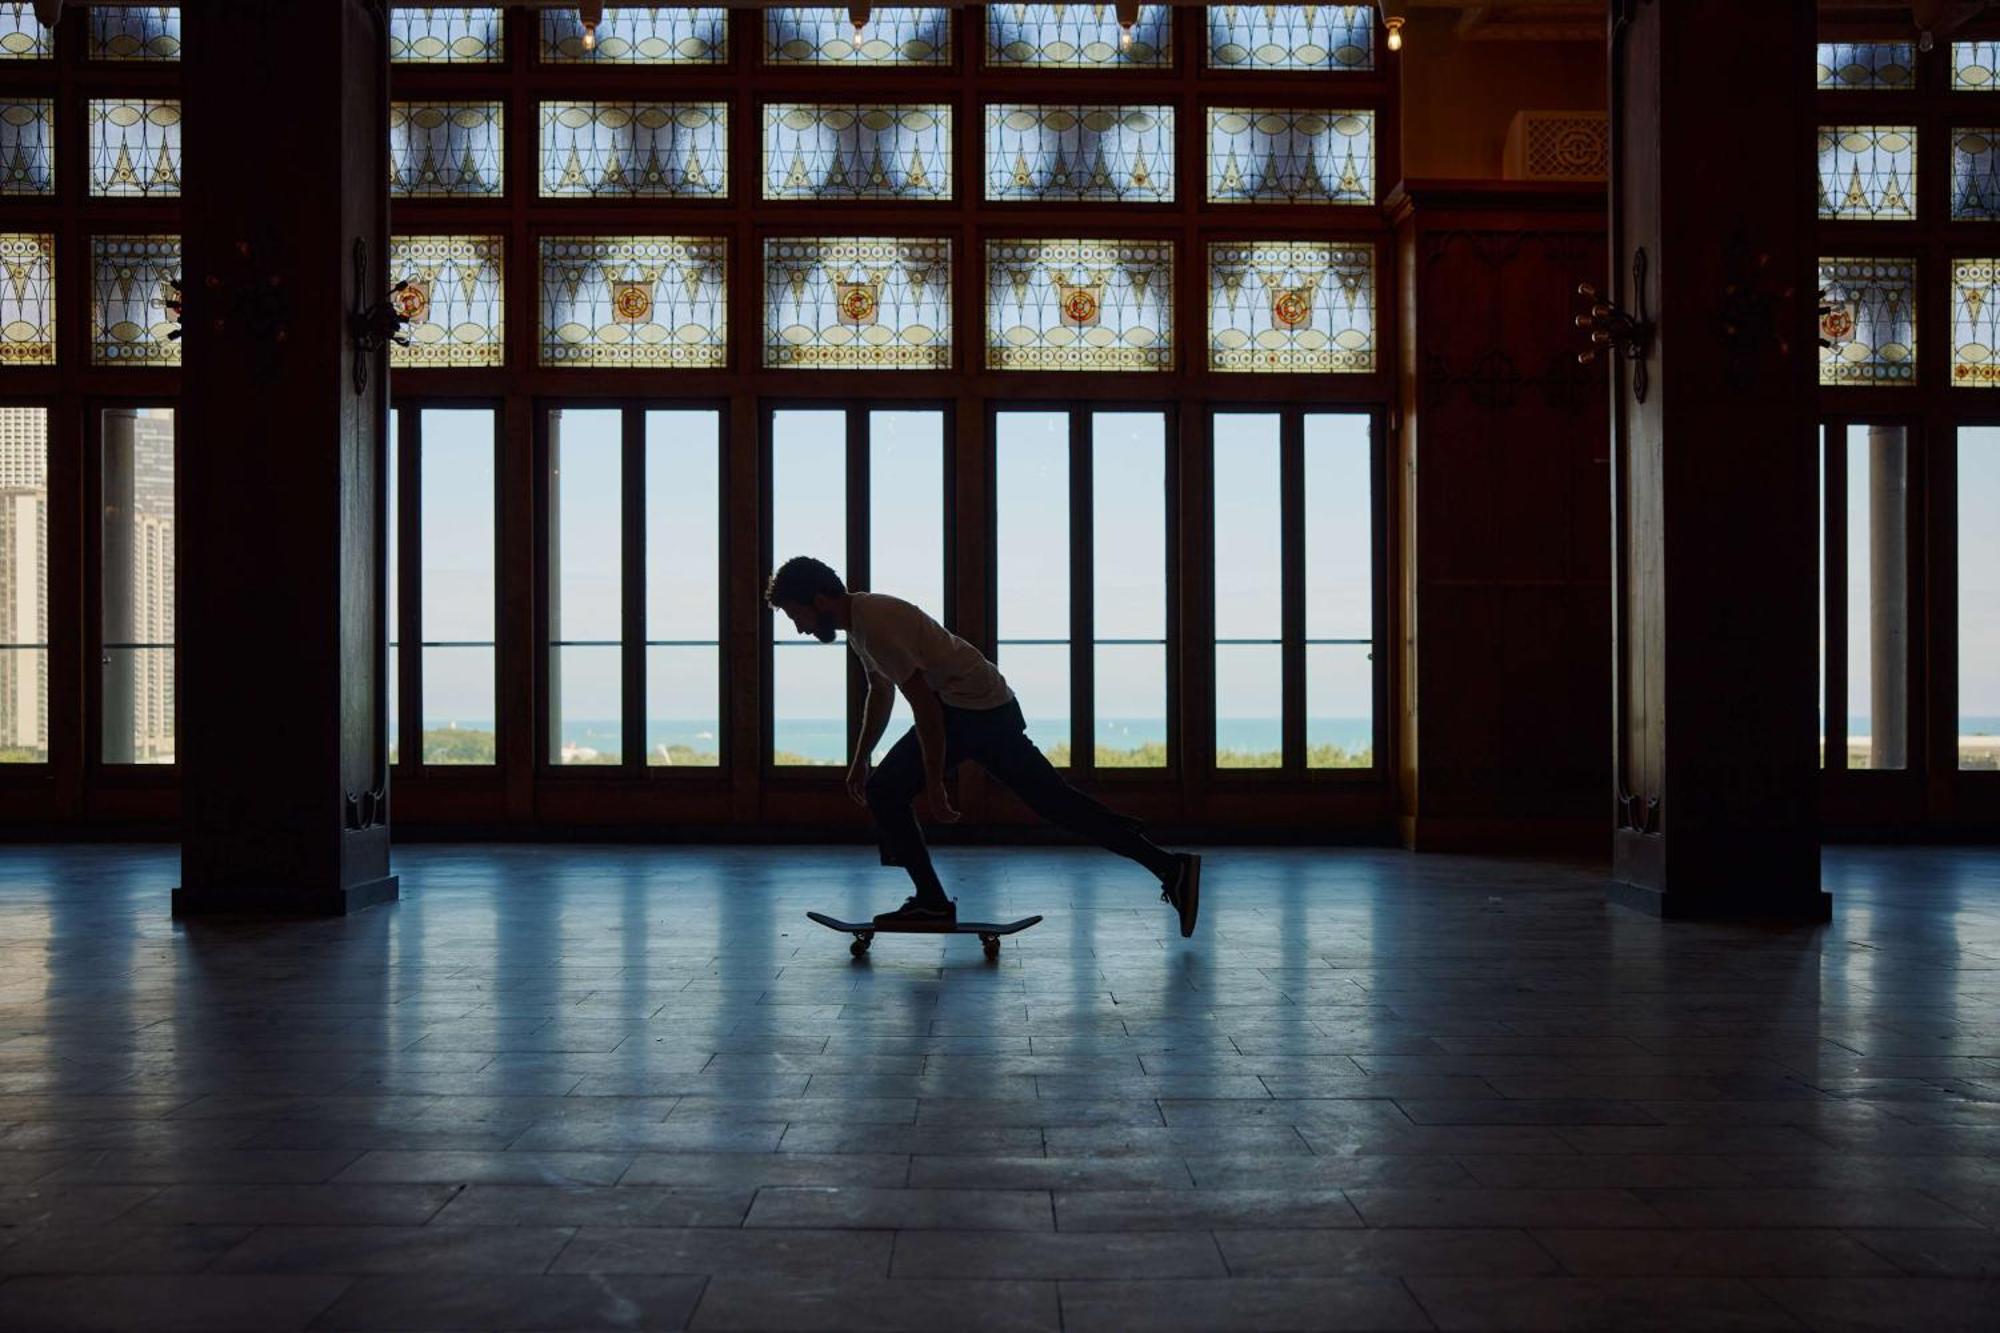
[{"x": 561, "y": 1088}]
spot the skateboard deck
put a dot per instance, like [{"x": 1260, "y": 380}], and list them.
[{"x": 864, "y": 932}]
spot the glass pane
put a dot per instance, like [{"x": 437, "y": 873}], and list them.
[
  {"x": 1868, "y": 173},
  {"x": 585, "y": 725},
  {"x": 27, "y": 299},
  {"x": 1975, "y": 174},
  {"x": 138, "y": 593},
  {"x": 135, "y": 280},
  {"x": 446, "y": 150},
  {"x": 22, "y": 37},
  {"x": 827, "y": 35},
  {"x": 808, "y": 517},
  {"x": 1076, "y": 36},
  {"x": 27, "y": 158},
  {"x": 458, "y": 721},
  {"x": 1076, "y": 153},
  {"x": 1340, "y": 586},
  {"x": 1975, "y": 324},
  {"x": 683, "y": 587},
  {"x": 1032, "y": 569},
  {"x": 1264, "y": 155},
  {"x": 1846, "y": 65},
  {"x": 446, "y": 34},
  {"x": 858, "y": 303},
  {"x": 651, "y": 301},
  {"x": 1978, "y": 597},
  {"x": 1079, "y": 305},
  {"x": 394, "y": 684},
  {"x": 140, "y": 32},
  {"x": 453, "y": 300},
  {"x": 24, "y": 585},
  {"x": 456, "y": 528},
  {"x": 1129, "y": 581},
  {"x": 638, "y": 35},
  {"x": 135, "y": 148},
  {"x": 1249, "y": 579},
  {"x": 1039, "y": 675},
  {"x": 635, "y": 150},
  {"x": 586, "y": 527},
  {"x": 906, "y": 515},
  {"x": 1289, "y": 306},
  {"x": 1871, "y": 322},
  {"x": 1877, "y": 598},
  {"x": 1311, "y": 37},
  {"x": 865, "y": 151},
  {"x": 1972, "y": 66}
]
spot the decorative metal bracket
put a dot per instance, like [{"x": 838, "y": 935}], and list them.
[
  {"x": 366, "y": 809},
  {"x": 374, "y": 326},
  {"x": 1641, "y": 814},
  {"x": 1629, "y": 336}
]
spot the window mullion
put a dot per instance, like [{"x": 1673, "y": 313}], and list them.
[
  {"x": 632, "y": 582},
  {"x": 1082, "y": 589},
  {"x": 1292, "y": 589}
]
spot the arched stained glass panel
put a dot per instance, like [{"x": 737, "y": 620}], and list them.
[
  {"x": 1851, "y": 65},
  {"x": 1975, "y": 66},
  {"x": 1975, "y": 323},
  {"x": 27, "y": 159},
  {"x": 635, "y": 150},
  {"x": 1868, "y": 173},
  {"x": 453, "y": 300},
  {"x": 1291, "y": 306},
  {"x": 857, "y": 152},
  {"x": 648, "y": 301},
  {"x": 860, "y": 303},
  {"x": 133, "y": 279},
  {"x": 135, "y": 32},
  {"x": 1077, "y": 37},
  {"x": 1975, "y": 174},
  {"x": 27, "y": 299},
  {"x": 446, "y": 35},
  {"x": 825, "y": 35},
  {"x": 639, "y": 35},
  {"x": 22, "y": 36},
  {"x": 1870, "y": 327},
  {"x": 1308, "y": 37},
  {"x": 1271, "y": 156},
  {"x": 135, "y": 149},
  {"x": 1077, "y": 153},
  {"x": 1079, "y": 305},
  {"x": 445, "y": 150}
]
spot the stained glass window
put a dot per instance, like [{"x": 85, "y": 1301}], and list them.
[
  {"x": 1871, "y": 322},
  {"x": 1079, "y": 305},
  {"x": 135, "y": 149},
  {"x": 1848, "y": 65},
  {"x": 453, "y": 300},
  {"x": 149, "y": 32},
  {"x": 825, "y": 35},
  {"x": 1975, "y": 66},
  {"x": 1975, "y": 323},
  {"x": 1291, "y": 306},
  {"x": 1868, "y": 173},
  {"x": 650, "y": 301},
  {"x": 857, "y": 152},
  {"x": 133, "y": 279},
  {"x": 1324, "y": 37},
  {"x": 635, "y": 150},
  {"x": 446, "y": 34},
  {"x": 1975, "y": 174},
  {"x": 22, "y": 37},
  {"x": 27, "y": 164},
  {"x": 858, "y": 303},
  {"x": 1268, "y": 156},
  {"x": 27, "y": 299},
  {"x": 1047, "y": 153},
  {"x": 639, "y": 35},
  {"x": 1072, "y": 36},
  {"x": 445, "y": 150}
]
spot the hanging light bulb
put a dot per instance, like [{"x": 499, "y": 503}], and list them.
[
  {"x": 1395, "y": 26},
  {"x": 858, "y": 16},
  {"x": 1128, "y": 19},
  {"x": 591, "y": 15}
]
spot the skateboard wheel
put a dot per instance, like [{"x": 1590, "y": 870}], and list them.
[
  {"x": 991, "y": 943},
  {"x": 859, "y": 947}
]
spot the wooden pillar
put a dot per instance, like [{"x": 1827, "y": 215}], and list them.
[
  {"x": 1715, "y": 522},
  {"x": 283, "y": 750}
]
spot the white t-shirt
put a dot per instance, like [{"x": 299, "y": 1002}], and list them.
[{"x": 893, "y": 638}]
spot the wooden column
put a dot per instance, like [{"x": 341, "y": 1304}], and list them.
[
  {"x": 1714, "y": 518},
  {"x": 283, "y": 751}
]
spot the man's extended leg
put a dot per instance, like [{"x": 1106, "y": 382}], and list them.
[{"x": 892, "y": 787}]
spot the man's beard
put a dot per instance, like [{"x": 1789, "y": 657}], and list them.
[{"x": 823, "y": 626}]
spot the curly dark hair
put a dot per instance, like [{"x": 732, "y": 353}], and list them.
[{"x": 801, "y": 579}]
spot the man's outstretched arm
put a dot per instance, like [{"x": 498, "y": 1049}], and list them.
[
  {"x": 874, "y": 720},
  {"x": 929, "y": 714}
]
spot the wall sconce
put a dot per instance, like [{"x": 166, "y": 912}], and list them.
[
  {"x": 1392, "y": 19},
  {"x": 1128, "y": 19},
  {"x": 591, "y": 15}
]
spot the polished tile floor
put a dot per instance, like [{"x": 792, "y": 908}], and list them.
[{"x": 615, "y": 1088}]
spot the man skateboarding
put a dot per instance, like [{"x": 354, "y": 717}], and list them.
[{"x": 964, "y": 709}]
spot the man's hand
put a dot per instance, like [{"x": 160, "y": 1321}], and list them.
[
  {"x": 857, "y": 782},
  {"x": 942, "y": 809}
]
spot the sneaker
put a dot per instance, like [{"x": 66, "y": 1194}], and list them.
[
  {"x": 920, "y": 913},
  {"x": 1183, "y": 890}
]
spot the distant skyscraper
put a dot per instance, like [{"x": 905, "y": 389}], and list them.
[
  {"x": 139, "y": 585},
  {"x": 24, "y": 581}
]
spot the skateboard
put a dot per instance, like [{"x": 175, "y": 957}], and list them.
[{"x": 989, "y": 932}]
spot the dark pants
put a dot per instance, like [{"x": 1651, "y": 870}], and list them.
[{"x": 997, "y": 740}]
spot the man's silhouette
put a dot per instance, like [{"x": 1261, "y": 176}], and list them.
[{"x": 964, "y": 709}]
